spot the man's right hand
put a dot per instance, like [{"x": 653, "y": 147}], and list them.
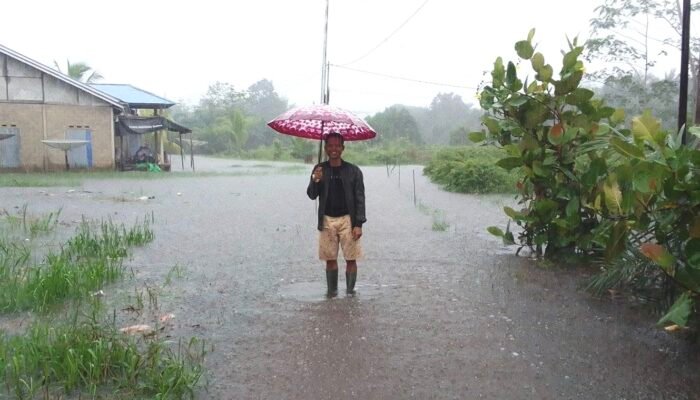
[{"x": 318, "y": 174}]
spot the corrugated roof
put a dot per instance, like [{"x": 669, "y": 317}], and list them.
[
  {"x": 65, "y": 78},
  {"x": 133, "y": 96}
]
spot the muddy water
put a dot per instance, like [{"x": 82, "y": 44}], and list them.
[{"x": 445, "y": 313}]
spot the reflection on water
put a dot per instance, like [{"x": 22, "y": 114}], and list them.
[{"x": 316, "y": 291}]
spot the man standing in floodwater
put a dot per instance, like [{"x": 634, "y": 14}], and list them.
[{"x": 341, "y": 212}]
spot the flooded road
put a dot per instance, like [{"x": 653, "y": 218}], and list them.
[{"x": 443, "y": 311}]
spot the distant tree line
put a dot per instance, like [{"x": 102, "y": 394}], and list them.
[{"x": 233, "y": 121}]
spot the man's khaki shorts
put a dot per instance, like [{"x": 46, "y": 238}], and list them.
[{"x": 338, "y": 230}]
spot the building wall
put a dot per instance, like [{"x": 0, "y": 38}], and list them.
[
  {"x": 29, "y": 118},
  {"x": 43, "y": 107}
]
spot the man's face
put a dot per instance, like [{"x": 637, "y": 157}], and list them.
[{"x": 334, "y": 149}]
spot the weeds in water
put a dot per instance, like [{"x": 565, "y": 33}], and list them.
[
  {"x": 423, "y": 208},
  {"x": 177, "y": 271},
  {"x": 439, "y": 222},
  {"x": 91, "y": 259},
  {"x": 440, "y": 225},
  {"x": 88, "y": 355},
  {"x": 32, "y": 226}
]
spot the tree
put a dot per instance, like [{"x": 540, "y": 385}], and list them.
[
  {"x": 394, "y": 123},
  {"x": 633, "y": 95},
  {"x": 620, "y": 36},
  {"x": 459, "y": 137},
  {"x": 263, "y": 104},
  {"x": 79, "y": 71},
  {"x": 233, "y": 126},
  {"x": 448, "y": 112}
]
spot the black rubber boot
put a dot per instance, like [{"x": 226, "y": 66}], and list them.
[
  {"x": 332, "y": 280},
  {"x": 350, "y": 278}
]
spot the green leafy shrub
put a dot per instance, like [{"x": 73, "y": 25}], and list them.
[
  {"x": 470, "y": 169},
  {"x": 552, "y": 131},
  {"x": 592, "y": 186}
]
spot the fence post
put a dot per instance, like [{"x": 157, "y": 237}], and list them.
[{"x": 414, "y": 188}]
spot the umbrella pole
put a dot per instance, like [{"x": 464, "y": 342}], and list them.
[{"x": 320, "y": 143}]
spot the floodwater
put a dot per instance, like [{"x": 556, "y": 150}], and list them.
[{"x": 444, "y": 313}]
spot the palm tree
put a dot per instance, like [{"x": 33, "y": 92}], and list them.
[
  {"x": 79, "y": 71},
  {"x": 233, "y": 126}
]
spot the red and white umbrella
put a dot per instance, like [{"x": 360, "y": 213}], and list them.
[{"x": 315, "y": 122}]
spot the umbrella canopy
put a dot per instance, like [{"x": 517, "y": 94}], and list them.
[{"x": 315, "y": 122}]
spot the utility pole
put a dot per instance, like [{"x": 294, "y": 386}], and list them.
[{"x": 685, "y": 58}]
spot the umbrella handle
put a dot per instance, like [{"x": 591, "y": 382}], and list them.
[{"x": 320, "y": 143}]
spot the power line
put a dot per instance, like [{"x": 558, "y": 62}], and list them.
[
  {"x": 403, "y": 78},
  {"x": 388, "y": 37}
]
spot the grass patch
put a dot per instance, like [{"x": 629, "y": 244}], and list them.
[
  {"x": 92, "y": 357},
  {"x": 76, "y": 179},
  {"x": 85, "y": 355},
  {"x": 439, "y": 222},
  {"x": 88, "y": 261},
  {"x": 177, "y": 271}
]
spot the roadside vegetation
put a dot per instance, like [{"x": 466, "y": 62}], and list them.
[{"x": 620, "y": 194}]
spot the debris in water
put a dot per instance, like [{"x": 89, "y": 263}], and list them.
[
  {"x": 672, "y": 328},
  {"x": 134, "y": 329},
  {"x": 166, "y": 317}
]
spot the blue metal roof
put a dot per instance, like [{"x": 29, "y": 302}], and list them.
[{"x": 133, "y": 96}]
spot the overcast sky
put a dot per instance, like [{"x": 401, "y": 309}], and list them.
[{"x": 177, "y": 49}]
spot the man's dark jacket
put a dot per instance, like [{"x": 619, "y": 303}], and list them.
[{"x": 354, "y": 189}]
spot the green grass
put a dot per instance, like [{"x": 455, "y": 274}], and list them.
[
  {"x": 89, "y": 356},
  {"x": 88, "y": 261},
  {"x": 76, "y": 179},
  {"x": 84, "y": 355}
]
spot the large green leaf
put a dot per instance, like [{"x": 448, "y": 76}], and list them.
[
  {"x": 645, "y": 127},
  {"x": 645, "y": 182},
  {"x": 535, "y": 115},
  {"x": 616, "y": 242},
  {"x": 617, "y": 117},
  {"x": 545, "y": 73},
  {"x": 626, "y": 149},
  {"x": 511, "y": 73},
  {"x": 517, "y": 100},
  {"x": 596, "y": 170},
  {"x": 613, "y": 196},
  {"x": 524, "y": 49},
  {"x": 512, "y": 150},
  {"x": 571, "y": 59},
  {"x": 679, "y": 311},
  {"x": 555, "y": 135},
  {"x": 499, "y": 73},
  {"x": 660, "y": 256},
  {"x": 476, "y": 137},
  {"x": 492, "y": 125},
  {"x": 495, "y": 231},
  {"x": 512, "y": 213},
  {"x": 573, "y": 207},
  {"x": 512, "y": 80},
  {"x": 579, "y": 96},
  {"x": 545, "y": 206},
  {"x": 537, "y": 61},
  {"x": 568, "y": 84},
  {"x": 531, "y": 35},
  {"x": 692, "y": 252},
  {"x": 510, "y": 163}
]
